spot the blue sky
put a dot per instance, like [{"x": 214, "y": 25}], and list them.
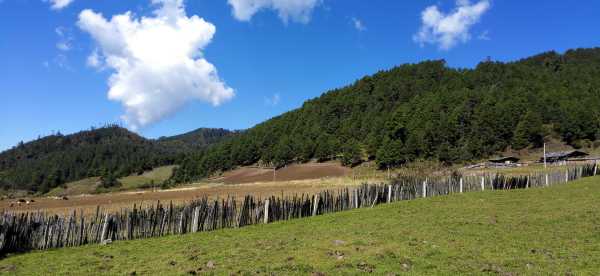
[{"x": 264, "y": 62}]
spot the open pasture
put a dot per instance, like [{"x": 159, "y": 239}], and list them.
[
  {"x": 119, "y": 200},
  {"x": 536, "y": 231}
]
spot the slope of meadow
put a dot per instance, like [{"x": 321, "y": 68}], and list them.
[
  {"x": 131, "y": 182},
  {"x": 538, "y": 231}
]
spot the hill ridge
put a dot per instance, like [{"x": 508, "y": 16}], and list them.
[
  {"x": 427, "y": 111},
  {"x": 48, "y": 162}
]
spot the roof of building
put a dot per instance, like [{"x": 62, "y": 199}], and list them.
[
  {"x": 504, "y": 159},
  {"x": 587, "y": 158},
  {"x": 559, "y": 154}
]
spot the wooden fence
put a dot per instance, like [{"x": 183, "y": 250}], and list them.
[{"x": 38, "y": 231}]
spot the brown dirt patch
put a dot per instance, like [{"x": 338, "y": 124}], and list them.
[
  {"x": 294, "y": 179},
  {"x": 288, "y": 173},
  {"x": 117, "y": 201}
]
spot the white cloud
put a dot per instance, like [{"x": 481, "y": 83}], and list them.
[
  {"x": 273, "y": 100},
  {"x": 157, "y": 61},
  {"x": 485, "y": 35},
  {"x": 358, "y": 25},
  {"x": 60, "y": 4},
  {"x": 447, "y": 30},
  {"x": 296, "y": 10},
  {"x": 63, "y": 46},
  {"x": 65, "y": 39},
  {"x": 62, "y": 62},
  {"x": 94, "y": 59}
]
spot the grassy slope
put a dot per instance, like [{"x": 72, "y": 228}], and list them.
[
  {"x": 159, "y": 175},
  {"x": 132, "y": 182},
  {"x": 538, "y": 231},
  {"x": 83, "y": 186}
]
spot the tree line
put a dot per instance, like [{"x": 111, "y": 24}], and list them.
[{"x": 109, "y": 152}]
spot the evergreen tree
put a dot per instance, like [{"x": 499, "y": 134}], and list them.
[
  {"x": 372, "y": 144},
  {"x": 283, "y": 153},
  {"x": 351, "y": 155},
  {"x": 325, "y": 148},
  {"x": 529, "y": 131},
  {"x": 390, "y": 154},
  {"x": 109, "y": 180}
]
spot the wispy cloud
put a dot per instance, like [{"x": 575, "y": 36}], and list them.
[
  {"x": 358, "y": 24},
  {"x": 65, "y": 39},
  {"x": 64, "y": 44},
  {"x": 157, "y": 61},
  {"x": 295, "y": 10},
  {"x": 60, "y": 61},
  {"x": 447, "y": 30},
  {"x": 273, "y": 100},
  {"x": 485, "y": 35},
  {"x": 59, "y": 4}
]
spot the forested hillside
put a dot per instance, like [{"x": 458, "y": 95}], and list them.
[
  {"x": 51, "y": 161},
  {"x": 427, "y": 111},
  {"x": 197, "y": 139},
  {"x": 414, "y": 111}
]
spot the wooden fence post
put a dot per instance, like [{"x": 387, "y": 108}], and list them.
[
  {"x": 104, "y": 228},
  {"x": 356, "y": 199},
  {"x": 595, "y": 167},
  {"x": 567, "y": 176},
  {"x": 195, "y": 219},
  {"x": 389, "y": 199},
  {"x": 547, "y": 183},
  {"x": 461, "y": 185},
  {"x": 527, "y": 183},
  {"x": 316, "y": 205},
  {"x": 266, "y": 217},
  {"x": 425, "y": 188},
  {"x": 181, "y": 222},
  {"x": 483, "y": 183}
]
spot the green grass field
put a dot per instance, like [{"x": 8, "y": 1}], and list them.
[
  {"x": 89, "y": 185},
  {"x": 158, "y": 175},
  {"x": 83, "y": 186},
  {"x": 538, "y": 231}
]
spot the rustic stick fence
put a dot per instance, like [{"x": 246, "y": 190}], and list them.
[{"x": 39, "y": 231}]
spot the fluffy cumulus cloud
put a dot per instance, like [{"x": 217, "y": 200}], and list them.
[
  {"x": 296, "y": 10},
  {"x": 447, "y": 30},
  {"x": 157, "y": 61},
  {"x": 59, "y": 4}
]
